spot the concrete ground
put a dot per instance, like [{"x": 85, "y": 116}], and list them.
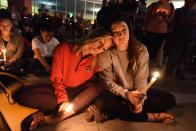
[{"x": 185, "y": 112}]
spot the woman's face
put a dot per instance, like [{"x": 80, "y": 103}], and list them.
[
  {"x": 96, "y": 46},
  {"x": 46, "y": 36},
  {"x": 5, "y": 27},
  {"x": 120, "y": 33},
  {"x": 100, "y": 46}
]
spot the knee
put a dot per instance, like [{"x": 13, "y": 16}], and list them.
[
  {"x": 171, "y": 100},
  {"x": 102, "y": 101},
  {"x": 99, "y": 84}
]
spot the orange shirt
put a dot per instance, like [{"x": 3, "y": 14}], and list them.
[{"x": 69, "y": 70}]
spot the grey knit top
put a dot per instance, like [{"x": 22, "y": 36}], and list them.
[{"x": 120, "y": 78}]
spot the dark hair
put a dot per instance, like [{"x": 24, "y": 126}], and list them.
[
  {"x": 45, "y": 24},
  {"x": 5, "y": 14},
  {"x": 133, "y": 50}
]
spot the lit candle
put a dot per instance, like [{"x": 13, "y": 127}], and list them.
[
  {"x": 4, "y": 54},
  {"x": 153, "y": 79},
  {"x": 69, "y": 108}
]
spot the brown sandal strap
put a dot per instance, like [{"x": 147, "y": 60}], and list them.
[
  {"x": 156, "y": 116},
  {"x": 38, "y": 118}
]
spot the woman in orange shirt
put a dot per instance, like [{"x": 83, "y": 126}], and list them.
[{"x": 72, "y": 80}]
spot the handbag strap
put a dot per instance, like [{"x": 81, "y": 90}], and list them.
[{"x": 7, "y": 94}]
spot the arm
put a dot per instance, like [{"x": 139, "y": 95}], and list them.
[
  {"x": 57, "y": 74},
  {"x": 105, "y": 66},
  {"x": 41, "y": 59},
  {"x": 38, "y": 55},
  {"x": 140, "y": 78},
  {"x": 20, "y": 50},
  {"x": 142, "y": 69},
  {"x": 170, "y": 18}
]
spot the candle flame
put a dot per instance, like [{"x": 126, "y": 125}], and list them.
[
  {"x": 4, "y": 50},
  {"x": 156, "y": 74},
  {"x": 69, "y": 108}
]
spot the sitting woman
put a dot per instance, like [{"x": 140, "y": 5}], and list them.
[
  {"x": 126, "y": 71},
  {"x": 43, "y": 46},
  {"x": 72, "y": 81},
  {"x": 11, "y": 44}
]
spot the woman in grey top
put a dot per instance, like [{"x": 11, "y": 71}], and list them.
[{"x": 126, "y": 70}]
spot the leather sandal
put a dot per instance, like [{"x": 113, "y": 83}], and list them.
[
  {"x": 32, "y": 121},
  {"x": 169, "y": 119}
]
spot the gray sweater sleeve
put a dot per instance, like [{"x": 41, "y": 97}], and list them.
[
  {"x": 105, "y": 64},
  {"x": 142, "y": 69}
]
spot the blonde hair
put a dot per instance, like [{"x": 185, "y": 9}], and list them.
[{"x": 93, "y": 36}]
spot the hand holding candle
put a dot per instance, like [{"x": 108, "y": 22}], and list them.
[
  {"x": 153, "y": 79},
  {"x": 69, "y": 108},
  {"x": 66, "y": 107}
]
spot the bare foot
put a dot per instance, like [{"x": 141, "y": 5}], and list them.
[
  {"x": 161, "y": 117},
  {"x": 38, "y": 119}
]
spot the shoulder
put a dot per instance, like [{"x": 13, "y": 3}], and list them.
[
  {"x": 153, "y": 5},
  {"x": 105, "y": 54},
  {"x": 142, "y": 50},
  {"x": 17, "y": 40},
  {"x": 105, "y": 59},
  {"x": 55, "y": 40},
  {"x": 17, "y": 37},
  {"x": 142, "y": 47},
  {"x": 171, "y": 5},
  {"x": 35, "y": 39},
  {"x": 62, "y": 47}
]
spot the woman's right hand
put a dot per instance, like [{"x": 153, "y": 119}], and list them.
[{"x": 135, "y": 97}]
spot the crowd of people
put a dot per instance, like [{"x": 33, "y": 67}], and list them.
[{"x": 104, "y": 71}]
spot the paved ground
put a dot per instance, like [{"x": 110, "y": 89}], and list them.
[{"x": 185, "y": 92}]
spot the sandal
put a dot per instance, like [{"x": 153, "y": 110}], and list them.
[
  {"x": 32, "y": 121},
  {"x": 167, "y": 118},
  {"x": 94, "y": 114}
]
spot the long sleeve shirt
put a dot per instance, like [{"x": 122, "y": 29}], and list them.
[
  {"x": 69, "y": 70},
  {"x": 118, "y": 76},
  {"x": 14, "y": 48}
]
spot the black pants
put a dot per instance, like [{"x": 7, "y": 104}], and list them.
[{"x": 114, "y": 106}]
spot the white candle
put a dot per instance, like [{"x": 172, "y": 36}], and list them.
[
  {"x": 4, "y": 54},
  {"x": 153, "y": 79}
]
